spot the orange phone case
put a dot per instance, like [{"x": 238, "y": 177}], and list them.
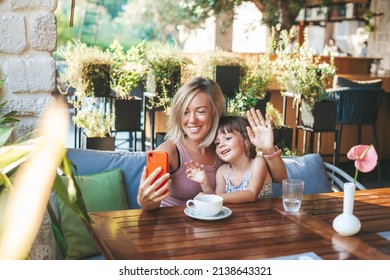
[{"x": 155, "y": 159}]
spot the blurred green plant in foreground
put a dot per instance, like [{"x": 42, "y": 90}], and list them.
[{"x": 28, "y": 174}]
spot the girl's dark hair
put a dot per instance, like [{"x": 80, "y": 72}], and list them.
[{"x": 228, "y": 124}]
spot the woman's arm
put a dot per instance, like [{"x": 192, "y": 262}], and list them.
[{"x": 262, "y": 136}]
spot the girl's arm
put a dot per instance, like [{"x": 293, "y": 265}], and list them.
[
  {"x": 261, "y": 135},
  {"x": 276, "y": 168},
  {"x": 220, "y": 179},
  {"x": 196, "y": 173},
  {"x": 258, "y": 178}
]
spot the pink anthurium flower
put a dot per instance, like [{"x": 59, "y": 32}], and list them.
[{"x": 365, "y": 158}]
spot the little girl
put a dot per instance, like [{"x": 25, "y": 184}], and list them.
[{"x": 236, "y": 180}]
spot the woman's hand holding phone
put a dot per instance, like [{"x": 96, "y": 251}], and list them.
[
  {"x": 154, "y": 177},
  {"x": 154, "y": 160}
]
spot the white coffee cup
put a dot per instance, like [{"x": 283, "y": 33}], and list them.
[{"x": 206, "y": 204}]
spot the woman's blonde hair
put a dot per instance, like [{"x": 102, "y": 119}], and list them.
[{"x": 184, "y": 96}]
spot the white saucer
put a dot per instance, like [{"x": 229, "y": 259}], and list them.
[{"x": 191, "y": 212}]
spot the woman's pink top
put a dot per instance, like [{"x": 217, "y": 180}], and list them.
[{"x": 183, "y": 188}]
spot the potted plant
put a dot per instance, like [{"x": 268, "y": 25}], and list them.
[
  {"x": 165, "y": 63},
  {"x": 225, "y": 68},
  {"x": 96, "y": 119},
  {"x": 128, "y": 78},
  {"x": 128, "y": 70},
  {"x": 253, "y": 90},
  {"x": 300, "y": 71},
  {"x": 302, "y": 74},
  {"x": 282, "y": 134},
  {"x": 88, "y": 73}
]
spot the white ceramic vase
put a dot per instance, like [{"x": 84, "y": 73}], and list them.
[{"x": 347, "y": 223}]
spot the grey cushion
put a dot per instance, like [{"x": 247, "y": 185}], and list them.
[
  {"x": 309, "y": 168},
  {"x": 343, "y": 82},
  {"x": 94, "y": 161}
]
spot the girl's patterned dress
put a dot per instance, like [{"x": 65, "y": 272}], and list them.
[{"x": 266, "y": 191}]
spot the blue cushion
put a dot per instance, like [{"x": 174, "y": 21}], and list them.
[
  {"x": 309, "y": 168},
  {"x": 93, "y": 161}
]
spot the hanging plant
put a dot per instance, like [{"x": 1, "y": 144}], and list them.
[
  {"x": 256, "y": 75},
  {"x": 207, "y": 64},
  {"x": 88, "y": 72},
  {"x": 85, "y": 66},
  {"x": 128, "y": 69}
]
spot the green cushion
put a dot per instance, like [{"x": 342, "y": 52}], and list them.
[{"x": 101, "y": 192}]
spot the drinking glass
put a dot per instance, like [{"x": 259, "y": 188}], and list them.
[{"x": 292, "y": 194}]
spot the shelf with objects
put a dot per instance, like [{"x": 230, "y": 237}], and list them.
[{"x": 316, "y": 11}]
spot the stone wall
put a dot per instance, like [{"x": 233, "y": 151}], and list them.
[{"x": 27, "y": 40}]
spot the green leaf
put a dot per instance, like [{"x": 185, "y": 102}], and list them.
[
  {"x": 5, "y": 133},
  {"x": 75, "y": 202},
  {"x": 58, "y": 235},
  {"x": 8, "y": 117},
  {"x": 2, "y": 104},
  {"x": 10, "y": 114},
  {"x": 4, "y": 180},
  {"x": 60, "y": 239},
  {"x": 9, "y": 120},
  {"x": 11, "y": 158}
]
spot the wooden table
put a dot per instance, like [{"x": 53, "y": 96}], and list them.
[{"x": 257, "y": 230}]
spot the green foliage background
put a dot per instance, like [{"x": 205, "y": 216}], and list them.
[{"x": 133, "y": 21}]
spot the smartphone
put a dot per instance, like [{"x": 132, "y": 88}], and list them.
[{"x": 155, "y": 159}]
